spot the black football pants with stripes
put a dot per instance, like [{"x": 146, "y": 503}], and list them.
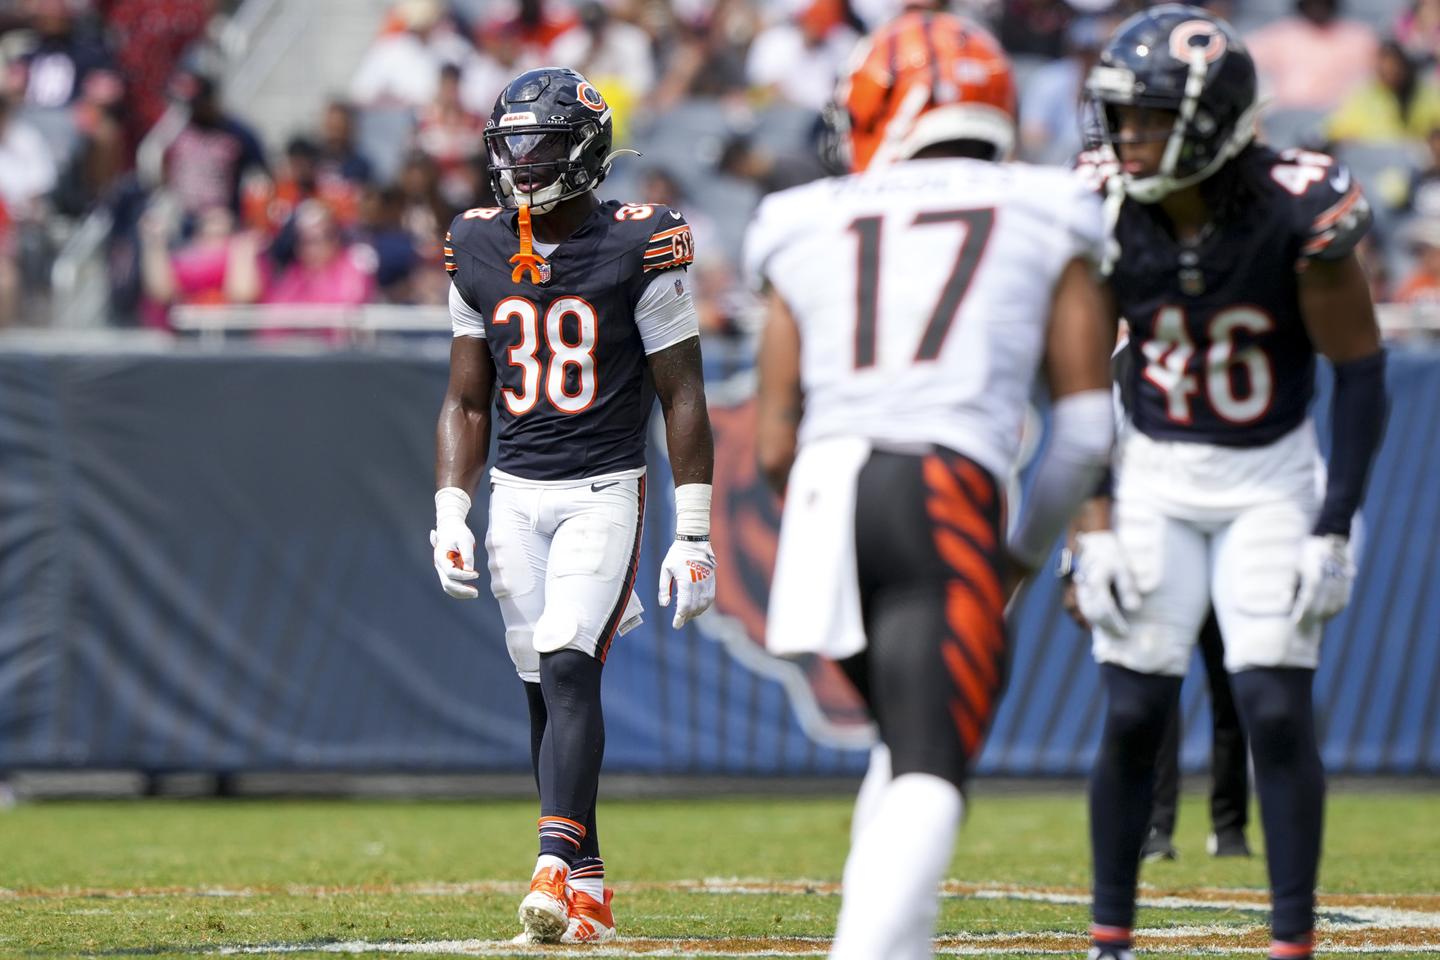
[{"x": 929, "y": 552}]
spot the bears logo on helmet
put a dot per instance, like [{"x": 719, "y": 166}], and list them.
[{"x": 925, "y": 78}]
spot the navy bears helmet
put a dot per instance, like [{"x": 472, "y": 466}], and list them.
[
  {"x": 1181, "y": 60},
  {"x": 549, "y": 139}
]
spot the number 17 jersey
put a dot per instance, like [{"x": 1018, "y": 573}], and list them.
[{"x": 923, "y": 294}]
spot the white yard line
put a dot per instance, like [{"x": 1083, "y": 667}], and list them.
[{"x": 949, "y": 946}]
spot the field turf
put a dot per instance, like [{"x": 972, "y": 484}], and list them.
[{"x": 712, "y": 877}]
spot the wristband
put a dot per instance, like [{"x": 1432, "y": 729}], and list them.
[
  {"x": 451, "y": 503},
  {"x": 692, "y": 510}
]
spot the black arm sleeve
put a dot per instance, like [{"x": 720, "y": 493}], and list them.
[{"x": 1357, "y": 425}]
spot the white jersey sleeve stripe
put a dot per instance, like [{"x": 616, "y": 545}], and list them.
[{"x": 464, "y": 320}]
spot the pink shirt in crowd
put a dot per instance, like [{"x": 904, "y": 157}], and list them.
[
  {"x": 1306, "y": 67},
  {"x": 341, "y": 281}
]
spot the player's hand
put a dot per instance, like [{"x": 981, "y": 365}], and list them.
[
  {"x": 454, "y": 544},
  {"x": 1327, "y": 576},
  {"x": 1104, "y": 586},
  {"x": 689, "y": 568}
]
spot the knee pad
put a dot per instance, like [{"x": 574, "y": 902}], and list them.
[
  {"x": 557, "y": 628},
  {"x": 520, "y": 643}
]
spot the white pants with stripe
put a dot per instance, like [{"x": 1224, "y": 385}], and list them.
[{"x": 563, "y": 559}]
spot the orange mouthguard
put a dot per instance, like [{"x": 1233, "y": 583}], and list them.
[{"x": 527, "y": 258}]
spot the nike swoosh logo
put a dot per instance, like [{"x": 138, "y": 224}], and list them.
[
  {"x": 675, "y": 214},
  {"x": 1341, "y": 180},
  {"x": 597, "y": 487}
]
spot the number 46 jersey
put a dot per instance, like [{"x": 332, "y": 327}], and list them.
[
  {"x": 572, "y": 397},
  {"x": 923, "y": 293},
  {"x": 1218, "y": 349}
]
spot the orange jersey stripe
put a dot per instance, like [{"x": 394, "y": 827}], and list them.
[
  {"x": 664, "y": 234},
  {"x": 1339, "y": 210}
]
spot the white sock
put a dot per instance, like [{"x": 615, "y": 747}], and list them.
[
  {"x": 547, "y": 862},
  {"x": 890, "y": 896},
  {"x": 872, "y": 788},
  {"x": 588, "y": 877}
]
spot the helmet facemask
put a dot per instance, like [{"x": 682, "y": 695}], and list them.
[
  {"x": 1197, "y": 144},
  {"x": 543, "y": 164}
]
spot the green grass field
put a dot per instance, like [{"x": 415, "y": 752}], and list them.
[{"x": 700, "y": 878}]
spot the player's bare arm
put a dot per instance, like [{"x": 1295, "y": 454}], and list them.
[
  {"x": 1335, "y": 302},
  {"x": 1340, "y": 319},
  {"x": 779, "y": 400},
  {"x": 462, "y": 435},
  {"x": 462, "y": 439},
  {"x": 689, "y": 565},
  {"x": 1077, "y": 368},
  {"x": 680, "y": 385}
]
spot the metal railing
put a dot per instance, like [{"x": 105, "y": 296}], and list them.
[{"x": 356, "y": 324}]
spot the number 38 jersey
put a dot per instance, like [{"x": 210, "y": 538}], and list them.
[
  {"x": 572, "y": 394},
  {"x": 1219, "y": 353},
  {"x": 923, "y": 293}
]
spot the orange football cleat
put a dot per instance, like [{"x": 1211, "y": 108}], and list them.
[
  {"x": 590, "y": 920},
  {"x": 545, "y": 911}
]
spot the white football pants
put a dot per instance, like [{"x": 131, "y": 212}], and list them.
[
  {"x": 563, "y": 560},
  {"x": 1199, "y": 525}
]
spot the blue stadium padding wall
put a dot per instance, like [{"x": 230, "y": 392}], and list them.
[{"x": 219, "y": 561}]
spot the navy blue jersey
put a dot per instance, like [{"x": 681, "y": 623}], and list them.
[
  {"x": 572, "y": 389},
  {"x": 1218, "y": 349}
]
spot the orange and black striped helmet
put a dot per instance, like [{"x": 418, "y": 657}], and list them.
[{"x": 922, "y": 79}]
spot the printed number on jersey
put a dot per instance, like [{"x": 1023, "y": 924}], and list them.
[
  {"x": 549, "y": 380},
  {"x": 1301, "y": 170},
  {"x": 869, "y": 232},
  {"x": 1169, "y": 352}
]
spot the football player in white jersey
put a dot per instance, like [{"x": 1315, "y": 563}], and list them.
[{"x": 910, "y": 306}]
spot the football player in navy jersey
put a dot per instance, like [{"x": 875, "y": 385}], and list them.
[
  {"x": 1234, "y": 266},
  {"x": 565, "y": 310}
]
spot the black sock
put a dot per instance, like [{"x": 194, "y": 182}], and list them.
[
  {"x": 535, "y": 699},
  {"x": 1121, "y": 791},
  {"x": 590, "y": 846},
  {"x": 571, "y": 752},
  {"x": 1275, "y": 705}
]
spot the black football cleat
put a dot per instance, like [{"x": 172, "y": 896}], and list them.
[
  {"x": 1158, "y": 846},
  {"x": 1228, "y": 843}
]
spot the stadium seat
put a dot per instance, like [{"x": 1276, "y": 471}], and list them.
[
  {"x": 786, "y": 128},
  {"x": 1383, "y": 171},
  {"x": 1285, "y": 128},
  {"x": 57, "y": 126},
  {"x": 384, "y": 135}
]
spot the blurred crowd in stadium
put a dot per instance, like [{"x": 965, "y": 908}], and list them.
[{"x": 723, "y": 98}]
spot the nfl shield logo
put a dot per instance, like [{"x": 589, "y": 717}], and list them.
[{"x": 544, "y": 273}]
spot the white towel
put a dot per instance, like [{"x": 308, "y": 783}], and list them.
[{"x": 815, "y": 595}]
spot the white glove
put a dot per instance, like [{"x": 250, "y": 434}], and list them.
[
  {"x": 689, "y": 567},
  {"x": 1327, "y": 576},
  {"x": 1102, "y": 578},
  {"x": 454, "y": 544}
]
